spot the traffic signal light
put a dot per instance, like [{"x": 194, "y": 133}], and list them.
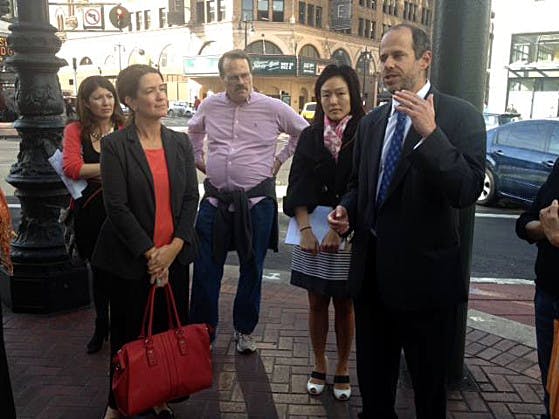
[{"x": 119, "y": 17}]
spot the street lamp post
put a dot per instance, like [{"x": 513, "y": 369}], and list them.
[
  {"x": 44, "y": 278},
  {"x": 119, "y": 46},
  {"x": 245, "y": 24},
  {"x": 365, "y": 58}
]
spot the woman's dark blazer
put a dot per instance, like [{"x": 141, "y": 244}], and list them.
[
  {"x": 315, "y": 178},
  {"x": 130, "y": 203}
]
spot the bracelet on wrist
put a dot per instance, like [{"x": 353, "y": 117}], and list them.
[{"x": 304, "y": 228}]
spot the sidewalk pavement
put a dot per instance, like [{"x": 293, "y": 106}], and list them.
[{"x": 53, "y": 377}]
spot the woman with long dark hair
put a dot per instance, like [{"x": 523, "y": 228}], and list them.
[
  {"x": 319, "y": 174},
  {"x": 151, "y": 197},
  {"x": 99, "y": 114}
]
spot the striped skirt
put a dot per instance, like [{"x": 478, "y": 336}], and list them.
[{"x": 325, "y": 273}]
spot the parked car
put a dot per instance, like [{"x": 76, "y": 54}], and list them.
[
  {"x": 180, "y": 109},
  {"x": 308, "y": 111},
  {"x": 493, "y": 120},
  {"x": 520, "y": 156}
]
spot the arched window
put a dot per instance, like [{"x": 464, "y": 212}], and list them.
[
  {"x": 263, "y": 47},
  {"x": 309, "y": 51},
  {"x": 341, "y": 57},
  {"x": 60, "y": 19}
]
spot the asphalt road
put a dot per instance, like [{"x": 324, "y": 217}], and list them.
[{"x": 497, "y": 252}]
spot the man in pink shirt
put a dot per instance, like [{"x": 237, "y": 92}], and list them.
[{"x": 239, "y": 208}]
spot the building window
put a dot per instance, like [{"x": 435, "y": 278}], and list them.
[
  {"x": 60, "y": 21},
  {"x": 263, "y": 12},
  {"x": 263, "y": 47},
  {"x": 362, "y": 3},
  {"x": 200, "y": 12},
  {"x": 341, "y": 57},
  {"x": 318, "y": 17},
  {"x": 278, "y": 7},
  {"x": 310, "y": 14},
  {"x": 425, "y": 16},
  {"x": 390, "y": 7},
  {"x": 535, "y": 47},
  {"x": 373, "y": 4},
  {"x": 361, "y": 27},
  {"x": 162, "y": 17},
  {"x": 210, "y": 11},
  {"x": 139, "y": 21},
  {"x": 147, "y": 19},
  {"x": 373, "y": 31},
  {"x": 220, "y": 10},
  {"x": 309, "y": 51},
  {"x": 302, "y": 12},
  {"x": 248, "y": 10}
]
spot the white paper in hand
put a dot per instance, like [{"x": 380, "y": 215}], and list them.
[
  {"x": 75, "y": 187},
  {"x": 319, "y": 222}
]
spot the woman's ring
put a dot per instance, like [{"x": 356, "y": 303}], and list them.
[{"x": 159, "y": 281}]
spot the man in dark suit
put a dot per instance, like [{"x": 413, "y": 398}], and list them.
[{"x": 417, "y": 161}]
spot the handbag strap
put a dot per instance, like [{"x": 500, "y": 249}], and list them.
[
  {"x": 171, "y": 304},
  {"x": 149, "y": 304},
  {"x": 148, "y": 311}
]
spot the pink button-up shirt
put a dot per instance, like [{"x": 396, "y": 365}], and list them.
[{"x": 241, "y": 139}]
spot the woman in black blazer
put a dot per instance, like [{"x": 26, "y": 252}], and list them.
[
  {"x": 151, "y": 195},
  {"x": 319, "y": 174}
]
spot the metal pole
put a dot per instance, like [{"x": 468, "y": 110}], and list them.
[
  {"x": 364, "y": 58},
  {"x": 461, "y": 31},
  {"x": 44, "y": 278},
  {"x": 245, "y": 22},
  {"x": 119, "y": 57}
]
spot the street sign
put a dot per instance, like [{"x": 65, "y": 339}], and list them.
[{"x": 94, "y": 18}]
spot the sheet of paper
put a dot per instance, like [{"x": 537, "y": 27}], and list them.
[
  {"x": 319, "y": 223},
  {"x": 75, "y": 187}
]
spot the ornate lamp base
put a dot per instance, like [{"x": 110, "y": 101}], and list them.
[{"x": 45, "y": 289}]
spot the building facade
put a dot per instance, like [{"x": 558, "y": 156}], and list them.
[
  {"x": 523, "y": 74},
  {"x": 290, "y": 41}
]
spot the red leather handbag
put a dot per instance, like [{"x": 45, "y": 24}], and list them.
[{"x": 166, "y": 366}]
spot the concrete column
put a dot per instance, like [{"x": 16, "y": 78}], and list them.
[{"x": 460, "y": 45}]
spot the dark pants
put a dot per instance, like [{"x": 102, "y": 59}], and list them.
[
  {"x": 547, "y": 309},
  {"x": 381, "y": 335},
  {"x": 128, "y": 300},
  {"x": 101, "y": 290},
  {"x": 206, "y": 282},
  {"x": 6, "y": 398}
]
